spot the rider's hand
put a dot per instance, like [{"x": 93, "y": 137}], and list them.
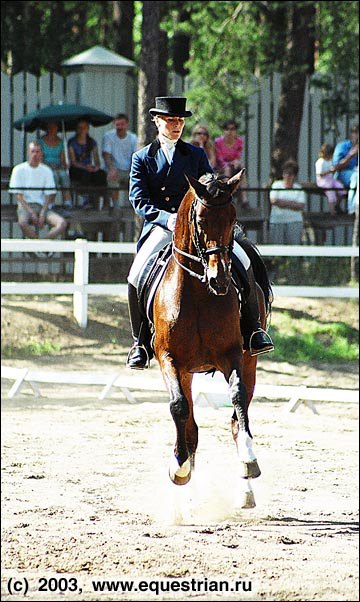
[{"x": 171, "y": 222}]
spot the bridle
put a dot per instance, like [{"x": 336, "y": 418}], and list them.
[{"x": 202, "y": 253}]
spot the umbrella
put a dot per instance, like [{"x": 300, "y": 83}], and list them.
[{"x": 66, "y": 114}]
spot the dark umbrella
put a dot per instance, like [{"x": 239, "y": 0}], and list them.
[{"x": 66, "y": 114}]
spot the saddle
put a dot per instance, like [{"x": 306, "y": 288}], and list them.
[{"x": 150, "y": 278}]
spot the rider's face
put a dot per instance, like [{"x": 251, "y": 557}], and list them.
[{"x": 170, "y": 127}]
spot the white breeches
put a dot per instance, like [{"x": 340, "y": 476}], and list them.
[{"x": 158, "y": 238}]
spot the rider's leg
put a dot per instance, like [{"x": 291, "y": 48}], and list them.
[
  {"x": 255, "y": 338},
  {"x": 138, "y": 356}
]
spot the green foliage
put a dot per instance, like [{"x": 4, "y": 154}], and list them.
[
  {"x": 305, "y": 339},
  {"x": 38, "y": 36},
  {"x": 234, "y": 43},
  {"x": 31, "y": 348}
]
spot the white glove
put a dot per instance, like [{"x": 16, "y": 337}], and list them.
[{"x": 171, "y": 222}]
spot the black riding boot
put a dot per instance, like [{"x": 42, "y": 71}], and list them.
[
  {"x": 138, "y": 357},
  {"x": 255, "y": 338}
]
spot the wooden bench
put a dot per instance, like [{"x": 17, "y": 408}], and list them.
[{"x": 320, "y": 223}]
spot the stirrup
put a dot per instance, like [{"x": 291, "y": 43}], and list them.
[
  {"x": 267, "y": 349},
  {"x": 136, "y": 345}
]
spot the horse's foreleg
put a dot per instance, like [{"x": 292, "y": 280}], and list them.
[
  {"x": 180, "y": 468},
  {"x": 240, "y": 426},
  {"x": 191, "y": 429}
]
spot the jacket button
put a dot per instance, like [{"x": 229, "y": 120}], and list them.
[
  {"x": 163, "y": 188},
  {"x": 167, "y": 198},
  {"x": 173, "y": 209}
]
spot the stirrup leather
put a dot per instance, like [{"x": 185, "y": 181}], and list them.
[
  {"x": 135, "y": 345},
  {"x": 254, "y": 352}
]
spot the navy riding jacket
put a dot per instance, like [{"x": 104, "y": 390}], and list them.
[{"x": 157, "y": 188}]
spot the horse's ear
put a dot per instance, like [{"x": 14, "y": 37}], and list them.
[
  {"x": 199, "y": 188},
  {"x": 235, "y": 181}
]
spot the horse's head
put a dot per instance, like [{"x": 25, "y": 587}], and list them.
[{"x": 212, "y": 220}]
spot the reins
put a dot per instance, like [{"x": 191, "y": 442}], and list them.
[{"x": 202, "y": 253}]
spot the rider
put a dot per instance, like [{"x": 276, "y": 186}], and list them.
[{"x": 157, "y": 187}]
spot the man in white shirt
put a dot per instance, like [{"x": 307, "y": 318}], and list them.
[
  {"x": 34, "y": 186},
  {"x": 287, "y": 204},
  {"x": 118, "y": 146}
]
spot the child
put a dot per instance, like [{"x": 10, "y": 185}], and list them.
[{"x": 324, "y": 168}]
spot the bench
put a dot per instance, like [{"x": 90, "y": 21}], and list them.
[{"x": 320, "y": 223}]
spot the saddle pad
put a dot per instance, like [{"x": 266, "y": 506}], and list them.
[
  {"x": 150, "y": 278},
  {"x": 240, "y": 277}
]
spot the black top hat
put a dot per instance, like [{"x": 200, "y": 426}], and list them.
[{"x": 170, "y": 105}]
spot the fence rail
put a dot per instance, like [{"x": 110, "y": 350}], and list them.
[{"x": 80, "y": 288}]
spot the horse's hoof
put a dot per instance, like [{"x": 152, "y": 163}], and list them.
[
  {"x": 179, "y": 480},
  {"x": 250, "y": 470},
  {"x": 248, "y": 500},
  {"x": 180, "y": 475}
]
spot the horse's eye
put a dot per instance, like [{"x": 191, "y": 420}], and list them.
[{"x": 202, "y": 221}]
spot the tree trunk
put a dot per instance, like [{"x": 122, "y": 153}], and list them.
[
  {"x": 149, "y": 85},
  {"x": 298, "y": 65},
  {"x": 149, "y": 70},
  {"x": 123, "y": 22},
  {"x": 163, "y": 70}
]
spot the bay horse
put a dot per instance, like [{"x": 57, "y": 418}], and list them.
[{"x": 197, "y": 321}]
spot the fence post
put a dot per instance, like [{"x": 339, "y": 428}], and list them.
[{"x": 81, "y": 279}]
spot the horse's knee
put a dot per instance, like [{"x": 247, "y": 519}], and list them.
[{"x": 179, "y": 409}]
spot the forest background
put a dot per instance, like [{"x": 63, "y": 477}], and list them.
[{"x": 220, "y": 49}]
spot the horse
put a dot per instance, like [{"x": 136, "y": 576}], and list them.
[{"x": 196, "y": 318}]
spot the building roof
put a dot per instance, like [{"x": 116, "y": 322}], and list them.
[{"x": 98, "y": 55}]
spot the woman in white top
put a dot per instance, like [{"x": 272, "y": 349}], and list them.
[
  {"x": 324, "y": 178},
  {"x": 287, "y": 204}
]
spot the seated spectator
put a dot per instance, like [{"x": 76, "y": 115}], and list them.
[
  {"x": 118, "y": 146},
  {"x": 353, "y": 194},
  {"x": 345, "y": 158},
  {"x": 33, "y": 211},
  {"x": 324, "y": 178},
  {"x": 228, "y": 149},
  {"x": 54, "y": 156},
  {"x": 200, "y": 137},
  {"x": 84, "y": 160},
  {"x": 287, "y": 204}
]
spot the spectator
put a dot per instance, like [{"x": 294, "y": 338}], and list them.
[
  {"x": 353, "y": 194},
  {"x": 118, "y": 146},
  {"x": 54, "y": 156},
  {"x": 84, "y": 159},
  {"x": 200, "y": 137},
  {"x": 229, "y": 149},
  {"x": 345, "y": 158},
  {"x": 287, "y": 203},
  {"x": 34, "y": 186},
  {"x": 324, "y": 179}
]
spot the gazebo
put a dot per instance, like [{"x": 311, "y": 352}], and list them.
[{"x": 104, "y": 80}]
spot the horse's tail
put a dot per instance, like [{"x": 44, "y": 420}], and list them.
[{"x": 258, "y": 266}]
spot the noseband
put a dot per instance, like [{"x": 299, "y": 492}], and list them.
[{"x": 202, "y": 253}]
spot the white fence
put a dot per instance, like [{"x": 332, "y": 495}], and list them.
[
  {"x": 206, "y": 391},
  {"x": 81, "y": 289}
]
